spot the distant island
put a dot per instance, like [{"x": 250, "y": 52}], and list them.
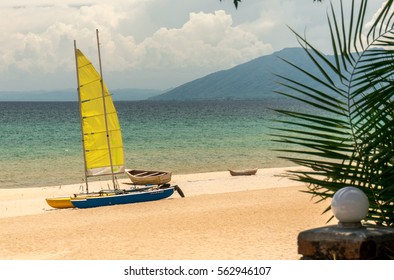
[{"x": 252, "y": 80}]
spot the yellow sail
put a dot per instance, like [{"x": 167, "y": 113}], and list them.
[{"x": 99, "y": 151}]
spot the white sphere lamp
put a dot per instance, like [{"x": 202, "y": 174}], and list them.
[{"x": 350, "y": 205}]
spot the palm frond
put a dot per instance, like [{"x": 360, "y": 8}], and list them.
[{"x": 351, "y": 142}]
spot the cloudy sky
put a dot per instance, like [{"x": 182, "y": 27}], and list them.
[{"x": 154, "y": 44}]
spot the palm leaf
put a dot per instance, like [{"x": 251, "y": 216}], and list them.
[{"x": 351, "y": 141}]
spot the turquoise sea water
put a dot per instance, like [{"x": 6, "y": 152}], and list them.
[{"x": 41, "y": 141}]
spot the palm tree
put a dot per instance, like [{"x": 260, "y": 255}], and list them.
[{"x": 351, "y": 140}]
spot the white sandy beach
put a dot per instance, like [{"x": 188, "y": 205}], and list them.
[{"x": 221, "y": 217}]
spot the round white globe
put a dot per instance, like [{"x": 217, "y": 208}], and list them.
[{"x": 350, "y": 205}]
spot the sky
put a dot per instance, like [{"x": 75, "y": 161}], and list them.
[{"x": 149, "y": 44}]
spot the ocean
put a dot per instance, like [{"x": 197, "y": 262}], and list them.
[{"x": 41, "y": 141}]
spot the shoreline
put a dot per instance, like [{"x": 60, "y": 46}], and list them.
[
  {"x": 221, "y": 217},
  {"x": 29, "y": 201}
]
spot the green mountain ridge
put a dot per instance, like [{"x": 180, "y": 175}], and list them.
[
  {"x": 252, "y": 80},
  {"x": 255, "y": 79}
]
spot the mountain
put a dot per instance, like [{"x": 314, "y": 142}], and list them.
[
  {"x": 251, "y": 80},
  {"x": 71, "y": 95}
]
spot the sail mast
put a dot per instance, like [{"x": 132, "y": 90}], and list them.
[
  {"x": 80, "y": 113},
  {"x": 105, "y": 110}
]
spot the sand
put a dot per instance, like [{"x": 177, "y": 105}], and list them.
[{"x": 221, "y": 218}]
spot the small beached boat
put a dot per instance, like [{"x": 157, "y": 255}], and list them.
[
  {"x": 148, "y": 177},
  {"x": 244, "y": 172}
]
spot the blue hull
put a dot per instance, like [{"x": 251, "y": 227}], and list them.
[{"x": 125, "y": 198}]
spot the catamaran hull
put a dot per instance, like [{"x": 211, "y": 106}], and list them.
[
  {"x": 60, "y": 202},
  {"x": 125, "y": 198}
]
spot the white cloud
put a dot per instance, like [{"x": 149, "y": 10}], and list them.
[
  {"x": 207, "y": 40},
  {"x": 172, "y": 40}
]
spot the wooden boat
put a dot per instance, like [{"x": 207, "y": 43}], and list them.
[
  {"x": 148, "y": 177},
  {"x": 244, "y": 172},
  {"x": 102, "y": 143}
]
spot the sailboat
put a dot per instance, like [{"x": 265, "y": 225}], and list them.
[{"x": 102, "y": 144}]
